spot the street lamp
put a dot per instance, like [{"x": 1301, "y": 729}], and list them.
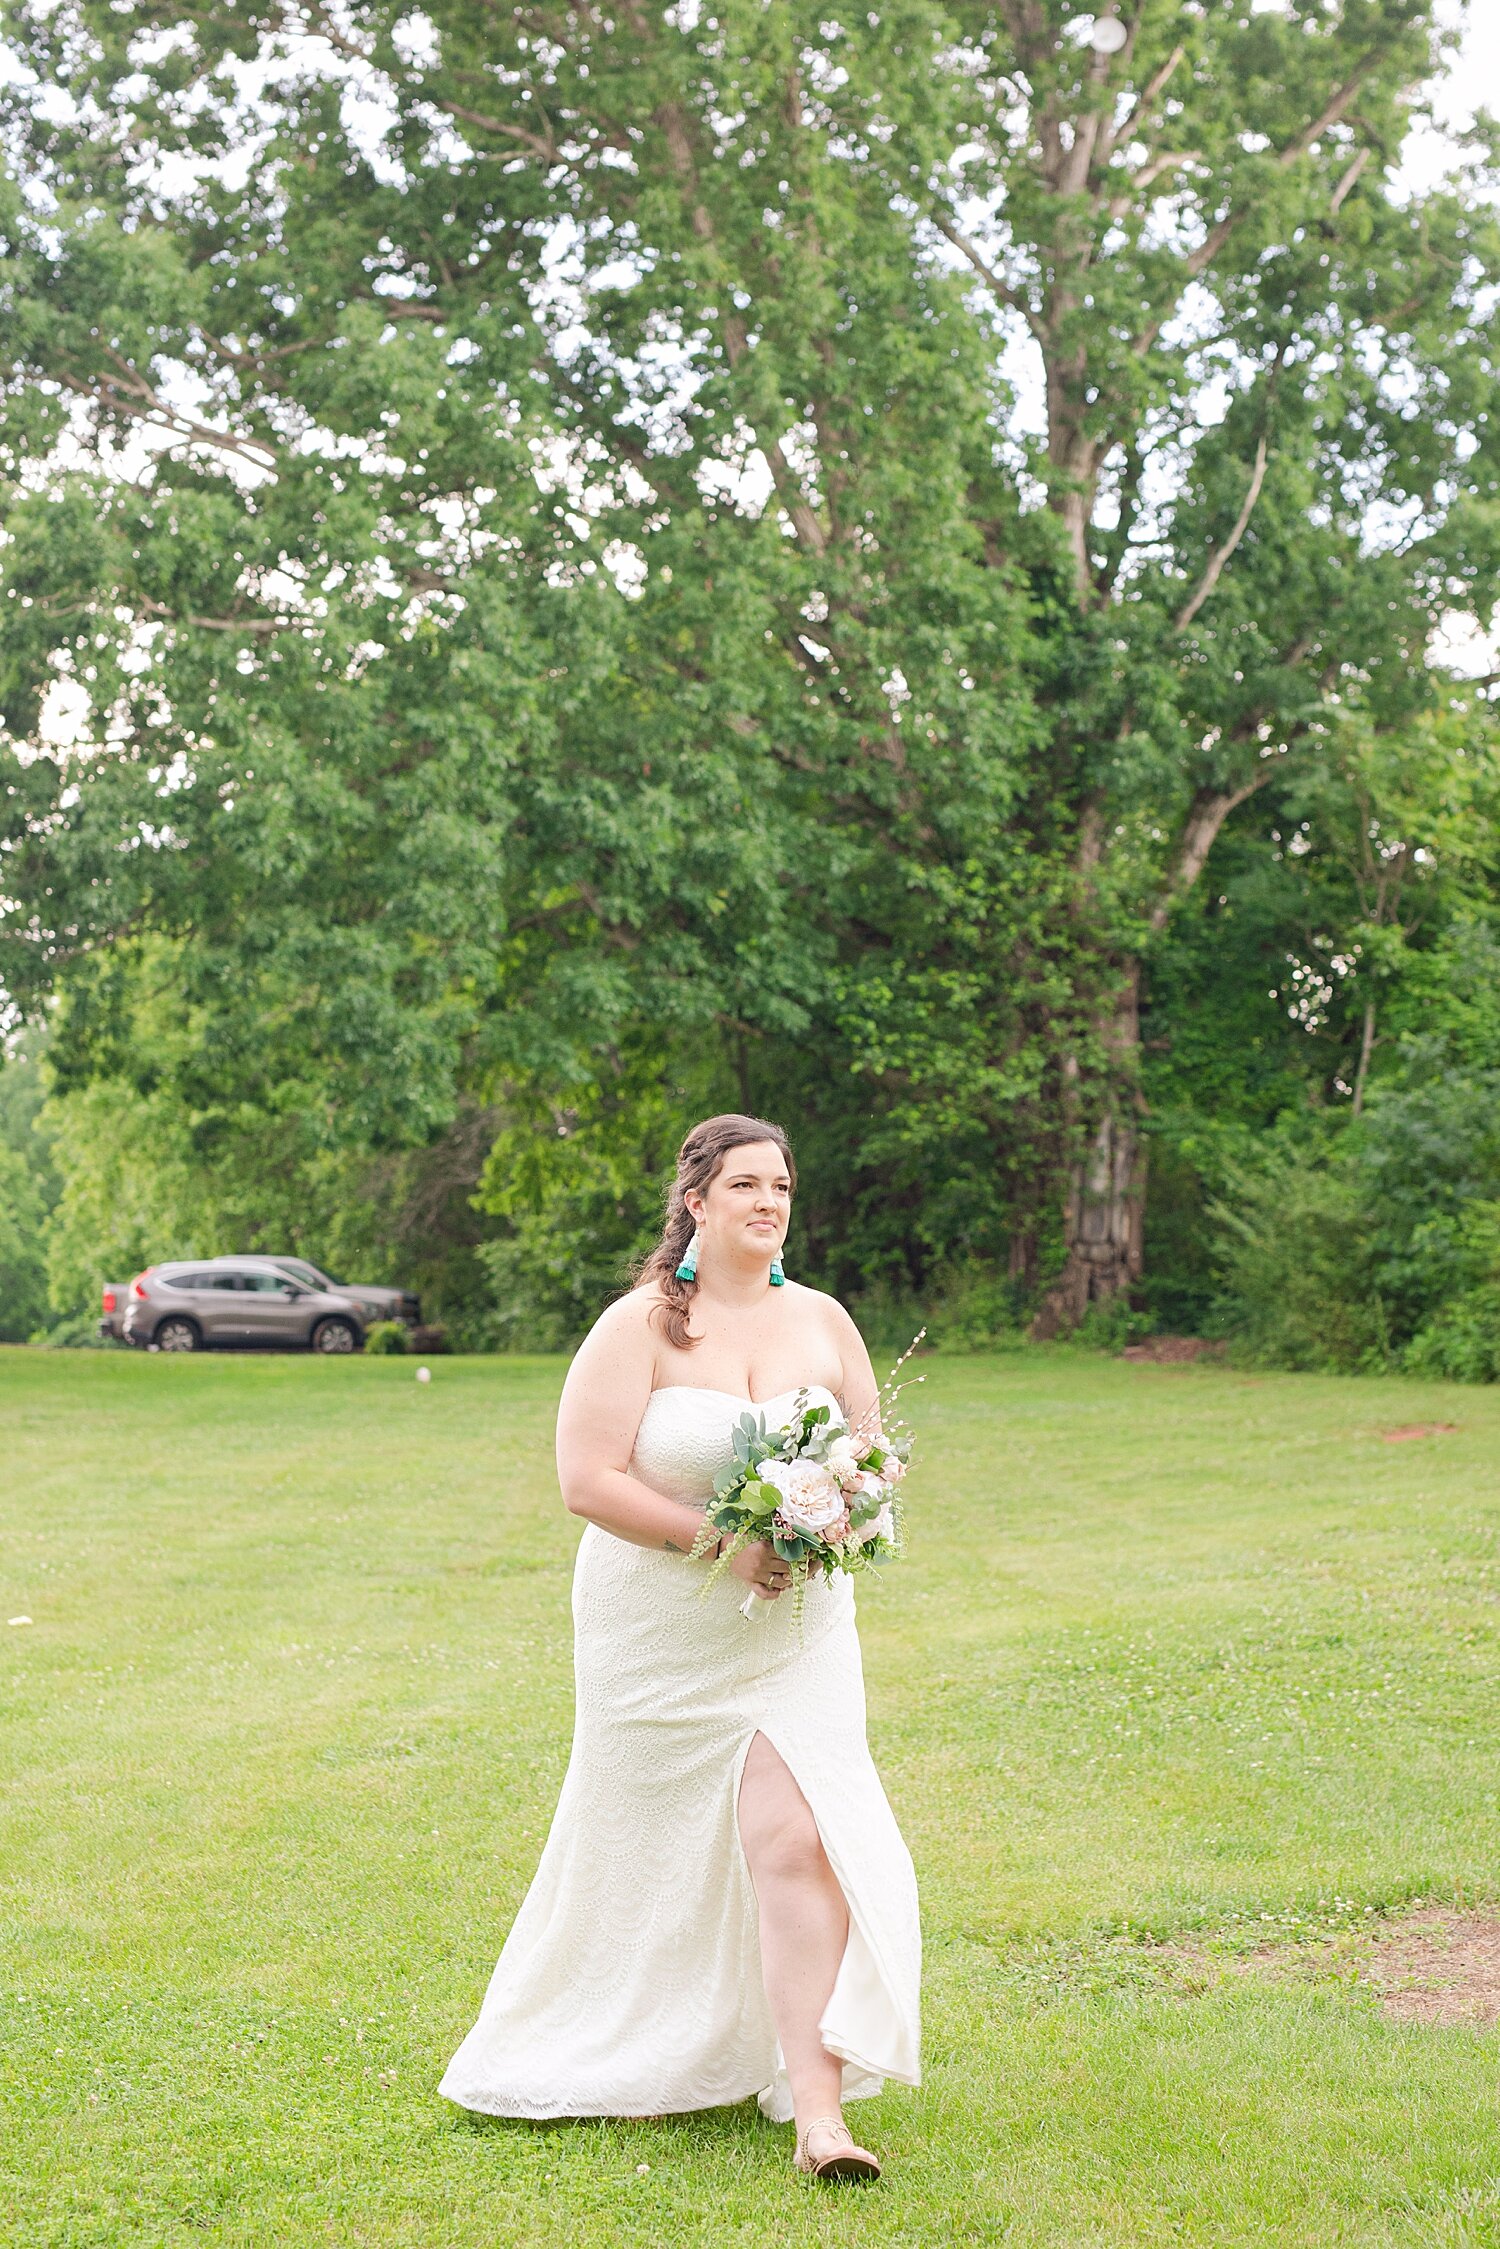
[{"x": 1107, "y": 35}]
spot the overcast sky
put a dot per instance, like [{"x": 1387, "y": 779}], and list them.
[{"x": 1473, "y": 81}]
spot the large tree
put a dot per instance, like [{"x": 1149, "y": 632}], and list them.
[
  {"x": 1269, "y": 446},
  {"x": 586, "y": 562}
]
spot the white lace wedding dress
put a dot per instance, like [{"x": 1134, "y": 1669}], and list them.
[{"x": 630, "y": 1982}]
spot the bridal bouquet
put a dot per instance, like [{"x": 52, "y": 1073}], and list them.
[{"x": 825, "y": 1496}]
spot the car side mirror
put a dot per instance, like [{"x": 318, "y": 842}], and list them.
[{"x": 294, "y": 1292}]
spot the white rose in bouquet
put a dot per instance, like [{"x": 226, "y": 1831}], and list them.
[
  {"x": 811, "y": 1499},
  {"x": 797, "y": 1487},
  {"x": 841, "y": 1457}
]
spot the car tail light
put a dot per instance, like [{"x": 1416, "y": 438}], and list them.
[
  {"x": 109, "y": 1300},
  {"x": 136, "y": 1289}
]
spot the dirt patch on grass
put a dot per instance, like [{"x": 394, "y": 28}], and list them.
[
  {"x": 1417, "y": 1429},
  {"x": 1431, "y": 1966},
  {"x": 1173, "y": 1350},
  {"x": 1445, "y": 1968}
]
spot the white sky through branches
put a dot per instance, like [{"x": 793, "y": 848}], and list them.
[{"x": 1430, "y": 151}]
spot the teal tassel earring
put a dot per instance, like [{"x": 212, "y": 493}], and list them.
[
  {"x": 778, "y": 1278},
  {"x": 688, "y": 1269}
]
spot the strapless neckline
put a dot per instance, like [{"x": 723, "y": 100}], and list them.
[
  {"x": 741, "y": 1397},
  {"x": 680, "y": 1449}
]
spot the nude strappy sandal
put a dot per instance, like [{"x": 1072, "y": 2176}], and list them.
[{"x": 845, "y": 2160}]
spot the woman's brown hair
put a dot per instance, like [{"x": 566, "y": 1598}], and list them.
[{"x": 698, "y": 1162}]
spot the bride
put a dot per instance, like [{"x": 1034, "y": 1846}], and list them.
[{"x": 724, "y": 1905}]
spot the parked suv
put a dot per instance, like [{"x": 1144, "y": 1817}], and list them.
[
  {"x": 192, "y": 1305},
  {"x": 375, "y": 1303}
]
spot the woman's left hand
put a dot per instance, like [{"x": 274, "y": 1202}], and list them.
[{"x": 761, "y": 1567}]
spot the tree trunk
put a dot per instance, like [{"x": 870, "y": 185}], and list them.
[
  {"x": 1021, "y": 1268},
  {"x": 1104, "y": 1219}
]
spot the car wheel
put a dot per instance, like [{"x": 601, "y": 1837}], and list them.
[
  {"x": 178, "y": 1335},
  {"x": 335, "y": 1335}
]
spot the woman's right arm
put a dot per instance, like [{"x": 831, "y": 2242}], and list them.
[{"x": 598, "y": 1415}]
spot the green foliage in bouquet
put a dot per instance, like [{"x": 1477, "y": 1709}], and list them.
[{"x": 823, "y": 1499}]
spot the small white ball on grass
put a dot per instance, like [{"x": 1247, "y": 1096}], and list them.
[{"x": 424, "y": 1374}]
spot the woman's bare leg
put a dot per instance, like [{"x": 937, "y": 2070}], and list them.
[{"x": 804, "y": 1924}]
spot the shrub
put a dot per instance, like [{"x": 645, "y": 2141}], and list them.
[
  {"x": 974, "y": 1309},
  {"x": 1298, "y": 1262},
  {"x": 1462, "y": 1341},
  {"x": 1109, "y": 1327},
  {"x": 386, "y": 1339},
  {"x": 28, "y": 1190},
  {"x": 78, "y": 1332},
  {"x": 1345, "y": 1245}
]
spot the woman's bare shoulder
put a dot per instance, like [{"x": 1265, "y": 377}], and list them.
[
  {"x": 619, "y": 1349},
  {"x": 824, "y": 1307},
  {"x": 629, "y": 1315}
]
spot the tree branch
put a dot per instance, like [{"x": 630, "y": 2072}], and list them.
[
  {"x": 1148, "y": 93},
  {"x": 255, "y": 625},
  {"x": 157, "y": 415},
  {"x": 1214, "y": 241},
  {"x": 408, "y": 308},
  {"x": 546, "y": 148},
  {"x": 221, "y": 350},
  {"x": 1209, "y": 810},
  {"x": 1199, "y": 260},
  {"x": 1151, "y": 171},
  {"x": 1348, "y": 180},
  {"x": 1220, "y": 555},
  {"x": 1120, "y": 540},
  {"x": 1329, "y": 116},
  {"x": 1004, "y": 290}
]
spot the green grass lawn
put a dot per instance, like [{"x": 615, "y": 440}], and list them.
[{"x": 1177, "y": 1653}]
